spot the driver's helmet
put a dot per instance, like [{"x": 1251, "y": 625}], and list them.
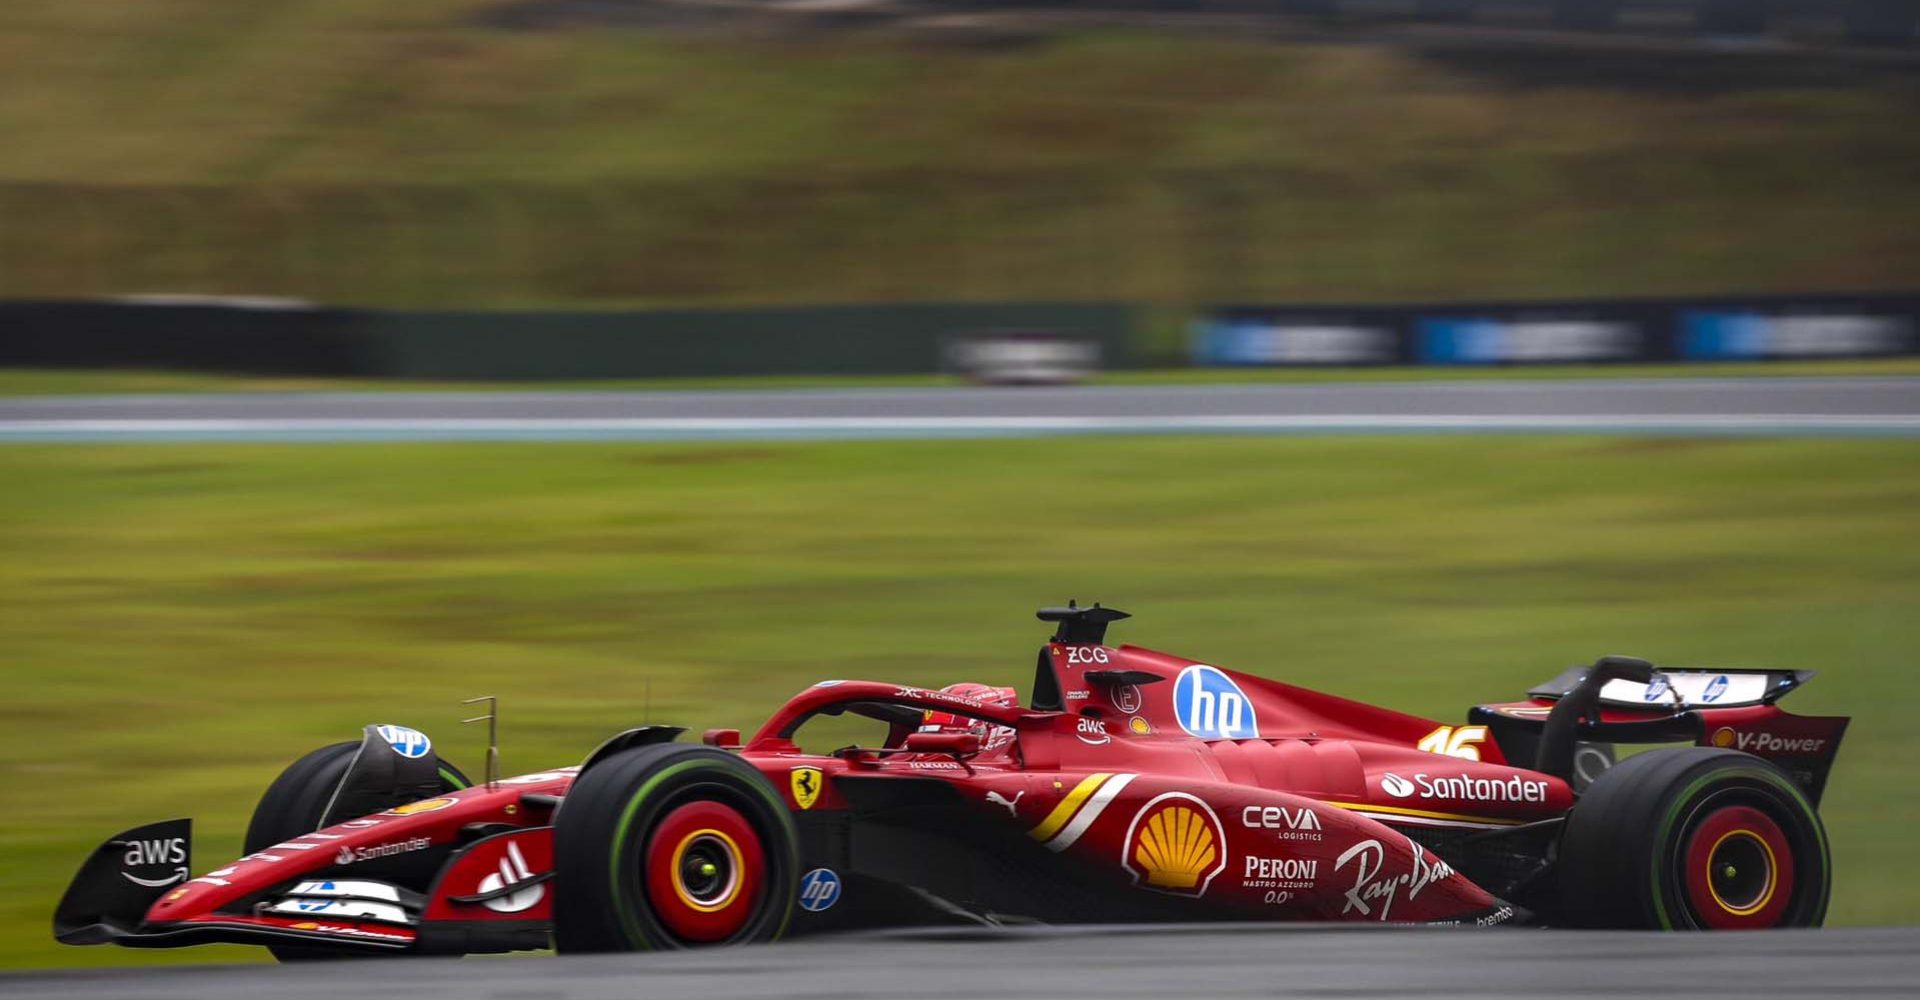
[{"x": 934, "y": 721}]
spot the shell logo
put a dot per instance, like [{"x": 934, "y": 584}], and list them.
[
  {"x": 422, "y": 806},
  {"x": 1176, "y": 845},
  {"x": 1723, "y": 737}
]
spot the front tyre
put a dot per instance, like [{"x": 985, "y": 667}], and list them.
[
  {"x": 672, "y": 846},
  {"x": 1695, "y": 838},
  {"x": 294, "y": 805},
  {"x": 297, "y": 800}
]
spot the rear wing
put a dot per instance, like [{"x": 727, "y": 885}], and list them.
[
  {"x": 1684, "y": 687},
  {"x": 1731, "y": 708}
]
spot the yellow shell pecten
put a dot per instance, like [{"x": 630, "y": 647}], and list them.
[{"x": 1176, "y": 847}]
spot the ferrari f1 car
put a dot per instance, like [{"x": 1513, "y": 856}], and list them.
[{"x": 1132, "y": 786}]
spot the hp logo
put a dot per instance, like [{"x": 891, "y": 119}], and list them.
[
  {"x": 819, "y": 889},
  {"x": 1211, "y": 706},
  {"x": 409, "y": 743}
]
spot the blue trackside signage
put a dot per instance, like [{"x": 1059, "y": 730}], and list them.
[
  {"x": 1809, "y": 331},
  {"x": 1211, "y": 706},
  {"x": 1595, "y": 331}
]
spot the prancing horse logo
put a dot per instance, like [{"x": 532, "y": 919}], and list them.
[{"x": 806, "y": 785}]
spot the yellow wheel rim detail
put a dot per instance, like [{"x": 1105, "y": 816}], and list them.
[
  {"x": 1766, "y": 892},
  {"x": 733, "y": 883}
]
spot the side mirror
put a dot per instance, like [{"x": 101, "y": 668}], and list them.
[
  {"x": 1559, "y": 736},
  {"x": 953, "y": 743},
  {"x": 1630, "y": 668}
]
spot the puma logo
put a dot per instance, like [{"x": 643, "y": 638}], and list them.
[{"x": 1000, "y": 800}]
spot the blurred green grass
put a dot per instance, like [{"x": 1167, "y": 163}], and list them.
[
  {"x": 75, "y": 381},
  {"x": 178, "y": 622},
  {"x": 362, "y": 151}
]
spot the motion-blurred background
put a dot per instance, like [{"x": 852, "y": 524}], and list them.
[{"x": 237, "y": 196}]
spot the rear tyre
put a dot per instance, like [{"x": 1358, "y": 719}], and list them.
[
  {"x": 672, "y": 846},
  {"x": 1693, "y": 839},
  {"x": 294, "y": 804}
]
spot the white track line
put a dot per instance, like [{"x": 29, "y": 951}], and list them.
[{"x": 833, "y": 428}]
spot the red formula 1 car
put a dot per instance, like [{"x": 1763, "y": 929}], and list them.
[{"x": 1133, "y": 786}]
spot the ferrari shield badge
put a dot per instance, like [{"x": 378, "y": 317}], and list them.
[{"x": 806, "y": 785}]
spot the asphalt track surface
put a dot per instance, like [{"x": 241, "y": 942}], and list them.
[
  {"x": 1078, "y": 963},
  {"x": 1865, "y": 406}
]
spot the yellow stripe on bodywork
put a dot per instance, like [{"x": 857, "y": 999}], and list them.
[
  {"x": 1068, "y": 806},
  {"x": 1428, "y": 813}
]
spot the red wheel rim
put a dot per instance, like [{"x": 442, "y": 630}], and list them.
[
  {"x": 1739, "y": 869},
  {"x": 705, "y": 871}
]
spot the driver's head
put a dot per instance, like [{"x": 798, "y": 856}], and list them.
[{"x": 986, "y": 694}]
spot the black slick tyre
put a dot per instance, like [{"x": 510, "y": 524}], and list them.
[
  {"x": 672, "y": 846},
  {"x": 1695, "y": 838}
]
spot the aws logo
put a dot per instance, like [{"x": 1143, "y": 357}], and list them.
[
  {"x": 1092, "y": 731},
  {"x": 1208, "y": 704},
  {"x": 1176, "y": 845},
  {"x": 145, "y": 855}
]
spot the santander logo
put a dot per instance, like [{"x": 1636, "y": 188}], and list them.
[{"x": 1464, "y": 788}]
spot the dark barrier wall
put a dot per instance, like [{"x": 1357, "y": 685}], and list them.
[
  {"x": 1496, "y": 333},
  {"x": 262, "y": 339},
  {"x": 818, "y": 340},
  {"x": 1871, "y": 21},
  {"x": 273, "y": 339},
  {"x": 277, "y": 339}
]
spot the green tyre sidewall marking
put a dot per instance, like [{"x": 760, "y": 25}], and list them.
[
  {"x": 447, "y": 775},
  {"x": 622, "y": 907},
  {"x": 1680, "y": 803}
]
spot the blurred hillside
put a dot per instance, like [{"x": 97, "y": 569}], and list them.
[{"x": 460, "y": 152}]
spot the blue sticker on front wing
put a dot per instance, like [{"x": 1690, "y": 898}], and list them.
[{"x": 409, "y": 743}]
